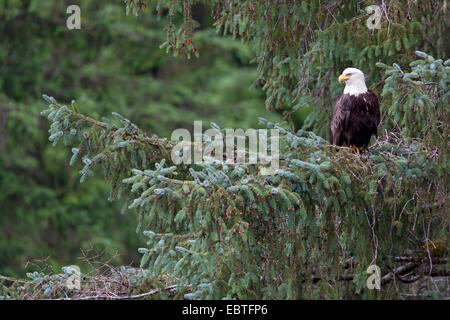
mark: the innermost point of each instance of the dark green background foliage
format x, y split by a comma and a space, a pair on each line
308, 231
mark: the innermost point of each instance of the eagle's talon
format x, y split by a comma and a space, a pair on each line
357, 149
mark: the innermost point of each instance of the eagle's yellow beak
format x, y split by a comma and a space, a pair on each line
343, 77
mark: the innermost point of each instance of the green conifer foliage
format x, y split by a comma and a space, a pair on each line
302, 46
313, 228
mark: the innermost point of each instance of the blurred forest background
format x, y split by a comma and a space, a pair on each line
114, 63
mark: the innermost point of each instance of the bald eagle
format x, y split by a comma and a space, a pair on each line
356, 113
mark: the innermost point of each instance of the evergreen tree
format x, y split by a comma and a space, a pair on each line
112, 64
313, 228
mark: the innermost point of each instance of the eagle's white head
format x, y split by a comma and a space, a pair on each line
354, 81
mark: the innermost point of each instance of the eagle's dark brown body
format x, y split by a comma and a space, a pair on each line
355, 119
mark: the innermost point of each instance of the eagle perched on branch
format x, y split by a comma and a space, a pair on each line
356, 113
